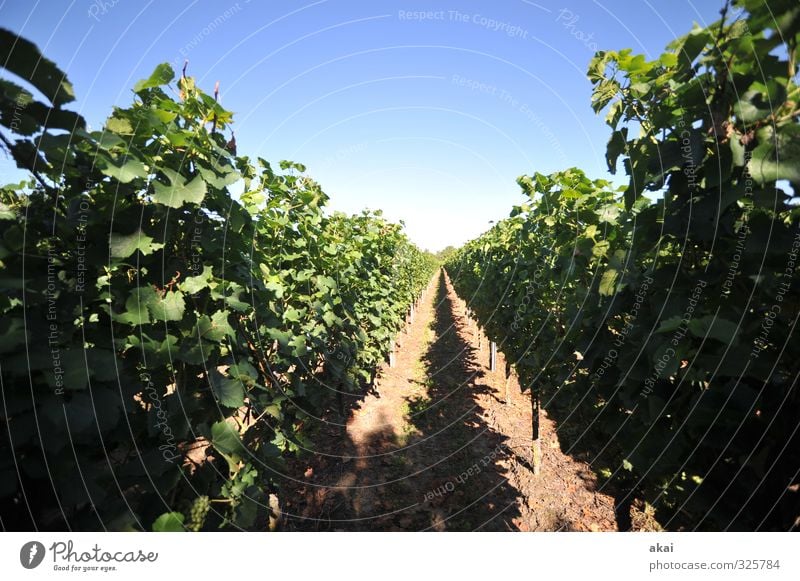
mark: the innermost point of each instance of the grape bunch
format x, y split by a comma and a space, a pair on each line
198, 512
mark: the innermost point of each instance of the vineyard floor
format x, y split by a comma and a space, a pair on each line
436, 446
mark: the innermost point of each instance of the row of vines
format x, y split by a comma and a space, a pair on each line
657, 321
173, 315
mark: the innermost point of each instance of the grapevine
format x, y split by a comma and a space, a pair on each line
185, 335
198, 512
654, 321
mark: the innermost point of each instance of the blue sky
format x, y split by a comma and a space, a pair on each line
426, 110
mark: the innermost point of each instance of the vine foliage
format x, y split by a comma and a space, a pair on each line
173, 313
656, 321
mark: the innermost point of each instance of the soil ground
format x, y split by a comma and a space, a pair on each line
441, 443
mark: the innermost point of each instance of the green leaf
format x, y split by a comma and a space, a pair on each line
609, 213
608, 283
229, 391
759, 101
616, 146
123, 245
282, 337
274, 284
136, 311
738, 152
614, 114
106, 140
600, 249
713, 327
668, 59
330, 319
219, 181
226, 439
195, 351
234, 301
15, 108
285, 164
23, 58
216, 327
690, 46
293, 315
145, 302
194, 284
169, 522
6, 213
746, 109
12, 333
162, 75
170, 307
777, 158
247, 512
157, 352
671, 324
298, 344
243, 370
178, 193
127, 172
119, 126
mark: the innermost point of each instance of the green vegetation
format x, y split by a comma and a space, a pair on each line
657, 327
175, 317
163, 340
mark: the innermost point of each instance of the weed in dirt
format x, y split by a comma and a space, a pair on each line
418, 405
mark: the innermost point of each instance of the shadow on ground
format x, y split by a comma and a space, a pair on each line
438, 465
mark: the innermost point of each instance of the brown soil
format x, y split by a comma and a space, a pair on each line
437, 446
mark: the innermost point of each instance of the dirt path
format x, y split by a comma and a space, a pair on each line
436, 446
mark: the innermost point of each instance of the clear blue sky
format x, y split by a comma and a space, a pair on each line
429, 118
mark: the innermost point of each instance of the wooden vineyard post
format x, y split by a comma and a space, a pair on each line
536, 444
508, 383
492, 356
471, 324
391, 356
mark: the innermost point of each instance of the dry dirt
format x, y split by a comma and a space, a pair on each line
438, 445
